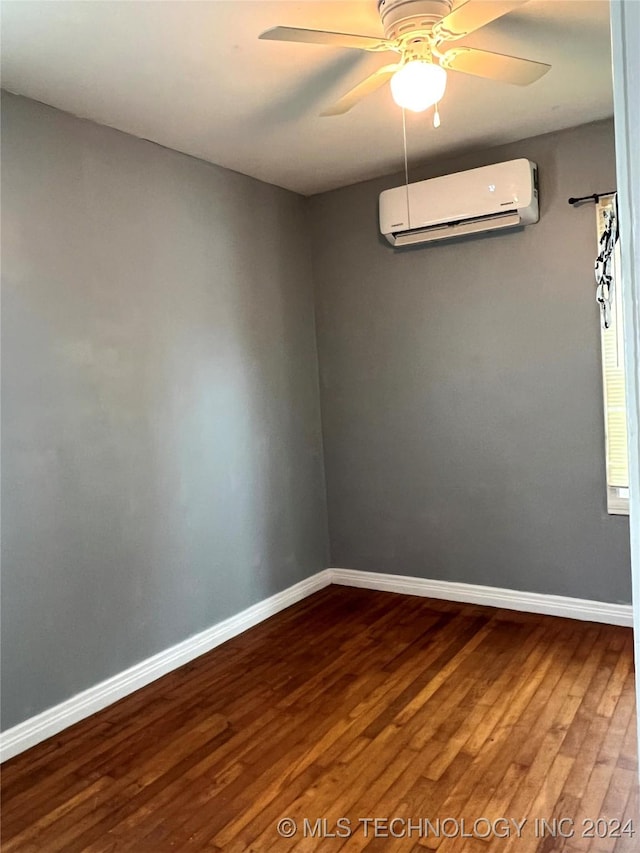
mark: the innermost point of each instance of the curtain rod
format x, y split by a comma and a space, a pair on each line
595, 197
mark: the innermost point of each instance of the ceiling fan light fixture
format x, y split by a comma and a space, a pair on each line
418, 85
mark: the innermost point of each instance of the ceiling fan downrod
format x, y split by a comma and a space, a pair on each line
410, 18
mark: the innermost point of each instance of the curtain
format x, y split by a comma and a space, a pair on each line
604, 262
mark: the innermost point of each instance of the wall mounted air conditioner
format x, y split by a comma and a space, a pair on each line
504, 195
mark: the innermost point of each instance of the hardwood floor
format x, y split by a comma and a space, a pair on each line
356, 705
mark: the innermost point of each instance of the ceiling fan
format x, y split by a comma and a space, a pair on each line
419, 30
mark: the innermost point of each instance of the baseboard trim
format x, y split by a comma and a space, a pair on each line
510, 599
82, 705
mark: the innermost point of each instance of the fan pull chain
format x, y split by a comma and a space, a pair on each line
436, 116
406, 160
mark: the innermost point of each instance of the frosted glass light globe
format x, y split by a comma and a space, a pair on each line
418, 85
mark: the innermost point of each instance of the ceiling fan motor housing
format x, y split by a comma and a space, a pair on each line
403, 19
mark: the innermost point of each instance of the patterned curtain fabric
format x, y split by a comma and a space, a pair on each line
604, 262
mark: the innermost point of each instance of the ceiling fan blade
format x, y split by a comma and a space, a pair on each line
495, 66
364, 88
296, 34
472, 15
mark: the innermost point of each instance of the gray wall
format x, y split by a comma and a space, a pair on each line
162, 462
461, 388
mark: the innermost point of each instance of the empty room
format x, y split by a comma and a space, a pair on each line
320, 455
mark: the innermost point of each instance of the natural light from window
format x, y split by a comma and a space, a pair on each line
613, 380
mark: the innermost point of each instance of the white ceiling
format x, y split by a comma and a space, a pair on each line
193, 76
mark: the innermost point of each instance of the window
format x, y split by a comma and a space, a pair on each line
615, 415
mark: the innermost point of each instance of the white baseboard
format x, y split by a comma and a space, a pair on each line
82, 705
492, 596
54, 720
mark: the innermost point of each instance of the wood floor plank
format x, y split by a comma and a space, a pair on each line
351, 704
338, 736
489, 770
285, 779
